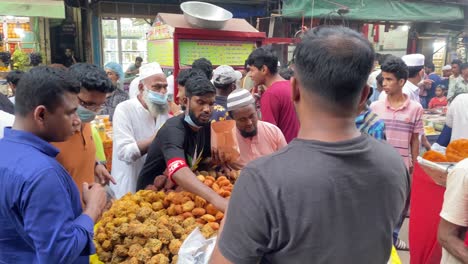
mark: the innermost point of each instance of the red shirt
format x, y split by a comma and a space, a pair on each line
277, 108
438, 102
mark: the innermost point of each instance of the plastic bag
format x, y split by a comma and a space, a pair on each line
196, 249
224, 140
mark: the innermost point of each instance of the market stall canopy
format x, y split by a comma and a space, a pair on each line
374, 10
33, 8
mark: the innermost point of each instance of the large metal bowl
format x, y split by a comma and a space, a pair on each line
205, 15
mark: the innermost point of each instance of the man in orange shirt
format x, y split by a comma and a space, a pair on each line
256, 138
78, 153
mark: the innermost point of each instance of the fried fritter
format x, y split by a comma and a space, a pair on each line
165, 235
134, 249
174, 246
154, 245
120, 251
144, 213
159, 259
144, 255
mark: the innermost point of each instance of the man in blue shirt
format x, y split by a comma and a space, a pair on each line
41, 218
368, 122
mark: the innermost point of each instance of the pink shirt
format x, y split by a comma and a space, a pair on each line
278, 109
269, 139
400, 124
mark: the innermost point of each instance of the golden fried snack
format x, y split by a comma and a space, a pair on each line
188, 206
188, 222
159, 259
144, 213
100, 237
201, 178
165, 235
120, 251
224, 183
215, 187
165, 251
106, 245
211, 209
144, 255
208, 218
175, 259
133, 260
178, 209
208, 182
213, 225
177, 230
134, 250
211, 177
207, 231
187, 215
197, 212
150, 231
105, 256
157, 206
141, 241
199, 202
154, 245
219, 216
174, 246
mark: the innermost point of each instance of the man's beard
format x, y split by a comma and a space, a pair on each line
196, 120
246, 134
155, 109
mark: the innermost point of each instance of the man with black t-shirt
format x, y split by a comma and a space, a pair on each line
182, 145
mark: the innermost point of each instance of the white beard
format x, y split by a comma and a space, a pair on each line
155, 109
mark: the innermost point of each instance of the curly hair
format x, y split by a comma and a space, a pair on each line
396, 66
198, 86
205, 66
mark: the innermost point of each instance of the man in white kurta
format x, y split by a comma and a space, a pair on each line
135, 125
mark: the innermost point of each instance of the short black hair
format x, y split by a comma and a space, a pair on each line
430, 65
198, 86
379, 79
457, 61
396, 66
414, 70
184, 75
43, 86
334, 63
463, 66
264, 56
286, 73
205, 66
13, 77
92, 77
382, 57
140, 59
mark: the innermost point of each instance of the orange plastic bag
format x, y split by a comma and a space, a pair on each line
224, 140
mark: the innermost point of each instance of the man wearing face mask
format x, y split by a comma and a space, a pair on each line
135, 125
182, 145
78, 154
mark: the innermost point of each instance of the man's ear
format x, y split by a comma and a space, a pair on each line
364, 95
296, 93
141, 87
402, 82
40, 114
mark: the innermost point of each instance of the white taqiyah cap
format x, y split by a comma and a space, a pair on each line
447, 67
413, 60
149, 69
239, 98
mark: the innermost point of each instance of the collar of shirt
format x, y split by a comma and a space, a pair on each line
411, 86
23, 137
405, 104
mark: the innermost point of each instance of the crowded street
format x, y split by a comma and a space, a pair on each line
236, 131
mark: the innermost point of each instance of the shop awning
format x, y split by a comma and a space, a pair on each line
33, 8
374, 10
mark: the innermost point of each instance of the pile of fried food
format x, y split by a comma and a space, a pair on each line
456, 151
150, 227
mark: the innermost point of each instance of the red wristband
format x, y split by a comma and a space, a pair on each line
173, 165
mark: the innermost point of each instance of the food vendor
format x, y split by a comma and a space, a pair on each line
256, 138
182, 145
78, 153
136, 122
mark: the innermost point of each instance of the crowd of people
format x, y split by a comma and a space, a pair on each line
327, 148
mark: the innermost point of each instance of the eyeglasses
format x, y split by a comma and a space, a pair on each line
90, 106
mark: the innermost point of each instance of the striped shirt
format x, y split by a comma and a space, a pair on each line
400, 124
369, 123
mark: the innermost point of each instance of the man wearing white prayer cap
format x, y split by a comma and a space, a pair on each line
415, 63
135, 125
447, 71
256, 138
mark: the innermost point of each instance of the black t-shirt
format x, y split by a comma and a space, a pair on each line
6, 105
175, 139
317, 202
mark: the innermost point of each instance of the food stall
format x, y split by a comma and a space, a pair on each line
175, 44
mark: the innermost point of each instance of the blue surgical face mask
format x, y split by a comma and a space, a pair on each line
157, 98
85, 115
189, 120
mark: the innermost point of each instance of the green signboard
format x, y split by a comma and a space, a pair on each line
218, 52
162, 52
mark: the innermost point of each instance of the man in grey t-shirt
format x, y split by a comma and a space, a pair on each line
332, 195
